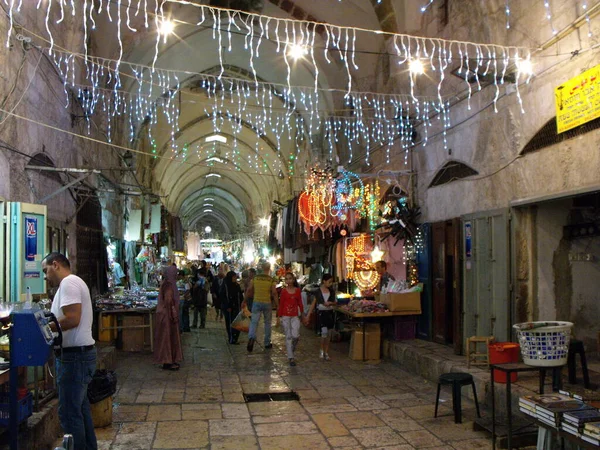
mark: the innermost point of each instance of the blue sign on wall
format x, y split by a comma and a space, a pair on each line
468, 237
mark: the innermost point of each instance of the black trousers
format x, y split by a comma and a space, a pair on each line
232, 334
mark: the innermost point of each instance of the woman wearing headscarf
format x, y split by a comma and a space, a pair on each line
231, 305
167, 340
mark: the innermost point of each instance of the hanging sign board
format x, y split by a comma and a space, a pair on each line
578, 100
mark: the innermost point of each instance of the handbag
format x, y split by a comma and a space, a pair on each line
241, 322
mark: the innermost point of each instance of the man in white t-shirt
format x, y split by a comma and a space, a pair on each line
76, 361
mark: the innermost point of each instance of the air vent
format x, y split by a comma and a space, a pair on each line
548, 136
452, 171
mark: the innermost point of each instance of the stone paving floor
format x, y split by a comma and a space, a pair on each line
343, 404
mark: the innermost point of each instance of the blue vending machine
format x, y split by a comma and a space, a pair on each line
26, 242
31, 341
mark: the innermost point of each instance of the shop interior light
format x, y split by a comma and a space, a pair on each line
209, 199
416, 67
248, 256
208, 210
297, 51
207, 229
264, 222
216, 138
215, 158
265, 252
208, 175
272, 260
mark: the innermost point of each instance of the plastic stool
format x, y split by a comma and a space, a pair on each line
457, 381
576, 348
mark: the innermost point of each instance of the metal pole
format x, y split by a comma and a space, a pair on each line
65, 187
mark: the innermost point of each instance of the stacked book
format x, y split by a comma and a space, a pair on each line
549, 408
564, 412
584, 424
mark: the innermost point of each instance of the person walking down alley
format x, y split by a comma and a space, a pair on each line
76, 360
200, 290
231, 305
262, 290
324, 299
167, 339
290, 306
218, 291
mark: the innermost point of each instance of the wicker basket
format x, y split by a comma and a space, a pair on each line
544, 344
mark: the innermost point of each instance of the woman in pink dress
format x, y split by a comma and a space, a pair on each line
167, 341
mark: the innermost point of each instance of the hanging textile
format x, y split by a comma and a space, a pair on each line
134, 225
154, 226
193, 246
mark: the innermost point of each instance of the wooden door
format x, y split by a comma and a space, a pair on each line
439, 266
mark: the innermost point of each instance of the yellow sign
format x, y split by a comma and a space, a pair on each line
578, 100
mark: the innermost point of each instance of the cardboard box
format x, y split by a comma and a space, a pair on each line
410, 301
373, 343
108, 321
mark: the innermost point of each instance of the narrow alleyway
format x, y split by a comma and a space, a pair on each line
343, 404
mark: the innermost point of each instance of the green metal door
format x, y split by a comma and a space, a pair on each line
486, 244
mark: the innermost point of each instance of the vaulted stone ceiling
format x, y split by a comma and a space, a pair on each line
216, 182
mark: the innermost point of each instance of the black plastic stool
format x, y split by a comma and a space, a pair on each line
457, 381
576, 348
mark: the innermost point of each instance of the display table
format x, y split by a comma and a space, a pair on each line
510, 368
149, 312
371, 317
564, 436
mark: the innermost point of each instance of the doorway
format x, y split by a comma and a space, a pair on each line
446, 274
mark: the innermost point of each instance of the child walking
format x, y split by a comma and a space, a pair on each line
290, 303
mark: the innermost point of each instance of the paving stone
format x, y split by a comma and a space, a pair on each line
472, 444
321, 409
136, 435
368, 402
280, 418
329, 425
377, 437
286, 428
291, 442
343, 441
346, 404
201, 414
421, 439
130, 413
360, 420
231, 427
164, 413
182, 434
234, 443
235, 411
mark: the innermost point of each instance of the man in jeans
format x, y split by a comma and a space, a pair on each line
76, 360
262, 290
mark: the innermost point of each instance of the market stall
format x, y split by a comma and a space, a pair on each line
131, 312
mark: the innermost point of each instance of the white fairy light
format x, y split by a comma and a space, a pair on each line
548, 7
297, 51
584, 6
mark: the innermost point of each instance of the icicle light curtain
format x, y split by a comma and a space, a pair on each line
286, 111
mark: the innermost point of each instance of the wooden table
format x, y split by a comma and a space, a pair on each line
149, 311
363, 317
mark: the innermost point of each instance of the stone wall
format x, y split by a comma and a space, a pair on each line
31, 87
